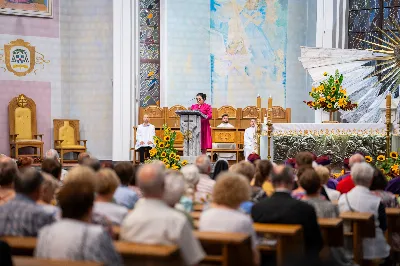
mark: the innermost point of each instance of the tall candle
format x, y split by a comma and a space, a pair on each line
270, 102
258, 101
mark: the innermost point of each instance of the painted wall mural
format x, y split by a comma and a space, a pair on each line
248, 40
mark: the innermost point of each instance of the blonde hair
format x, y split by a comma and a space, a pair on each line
80, 173
244, 168
107, 181
231, 189
323, 173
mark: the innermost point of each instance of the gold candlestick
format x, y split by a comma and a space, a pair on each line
388, 122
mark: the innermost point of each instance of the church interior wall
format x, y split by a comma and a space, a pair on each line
77, 81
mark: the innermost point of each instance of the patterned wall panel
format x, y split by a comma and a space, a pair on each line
149, 50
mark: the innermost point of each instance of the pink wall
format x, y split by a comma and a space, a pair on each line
40, 92
32, 26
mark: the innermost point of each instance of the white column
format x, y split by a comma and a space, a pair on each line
163, 53
123, 83
332, 17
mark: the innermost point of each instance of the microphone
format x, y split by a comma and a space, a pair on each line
192, 99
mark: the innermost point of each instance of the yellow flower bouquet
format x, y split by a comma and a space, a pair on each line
390, 166
164, 150
330, 96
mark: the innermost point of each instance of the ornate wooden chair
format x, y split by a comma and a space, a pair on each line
219, 112
66, 137
23, 126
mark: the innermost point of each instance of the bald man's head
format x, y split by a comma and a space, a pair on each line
282, 177
204, 164
356, 158
150, 179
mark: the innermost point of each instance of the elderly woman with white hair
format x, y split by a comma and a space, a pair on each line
191, 176
174, 191
360, 199
53, 154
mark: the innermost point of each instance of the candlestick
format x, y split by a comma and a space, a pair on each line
258, 101
270, 102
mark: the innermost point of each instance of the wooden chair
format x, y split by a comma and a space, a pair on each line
363, 226
226, 109
279, 114
172, 119
226, 249
156, 114
246, 114
67, 138
23, 126
29, 261
225, 135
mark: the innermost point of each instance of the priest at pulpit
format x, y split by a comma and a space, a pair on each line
144, 138
206, 142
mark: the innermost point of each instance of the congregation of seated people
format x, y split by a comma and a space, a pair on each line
73, 214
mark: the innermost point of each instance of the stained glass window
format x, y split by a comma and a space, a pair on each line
366, 16
149, 51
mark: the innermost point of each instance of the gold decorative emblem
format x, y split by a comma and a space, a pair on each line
21, 100
20, 58
188, 135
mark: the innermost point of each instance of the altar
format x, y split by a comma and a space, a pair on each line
338, 140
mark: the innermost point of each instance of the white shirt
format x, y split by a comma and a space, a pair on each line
204, 188
226, 220
226, 125
114, 212
362, 200
249, 141
145, 133
153, 222
75, 240
332, 194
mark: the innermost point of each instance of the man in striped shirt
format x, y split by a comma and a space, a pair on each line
205, 186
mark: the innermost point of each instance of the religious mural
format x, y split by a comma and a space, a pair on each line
37, 8
248, 41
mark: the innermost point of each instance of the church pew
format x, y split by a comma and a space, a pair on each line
289, 239
132, 253
226, 249
332, 231
363, 226
29, 261
393, 224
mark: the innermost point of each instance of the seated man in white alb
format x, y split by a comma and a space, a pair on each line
249, 140
144, 138
226, 146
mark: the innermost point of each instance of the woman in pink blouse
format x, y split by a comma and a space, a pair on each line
206, 109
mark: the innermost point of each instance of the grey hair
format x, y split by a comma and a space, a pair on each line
356, 158
174, 187
191, 175
285, 176
203, 163
51, 154
150, 179
28, 181
362, 174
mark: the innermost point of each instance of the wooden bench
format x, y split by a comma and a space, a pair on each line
332, 231
289, 239
363, 226
393, 224
137, 254
29, 261
226, 249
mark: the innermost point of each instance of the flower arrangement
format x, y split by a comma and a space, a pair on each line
164, 150
390, 166
330, 96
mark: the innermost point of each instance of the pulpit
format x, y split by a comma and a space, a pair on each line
190, 125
